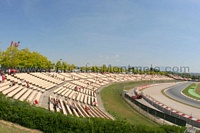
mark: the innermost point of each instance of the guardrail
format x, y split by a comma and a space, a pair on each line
189, 119
157, 113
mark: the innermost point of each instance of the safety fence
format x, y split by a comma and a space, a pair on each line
172, 112
157, 113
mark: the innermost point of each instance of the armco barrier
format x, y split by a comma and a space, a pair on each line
171, 112
157, 113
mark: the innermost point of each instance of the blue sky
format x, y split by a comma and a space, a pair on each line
117, 32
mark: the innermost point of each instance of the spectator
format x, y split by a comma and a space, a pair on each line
75, 88
56, 102
73, 105
59, 105
35, 102
27, 84
86, 109
52, 100
94, 103
1, 78
12, 83
9, 71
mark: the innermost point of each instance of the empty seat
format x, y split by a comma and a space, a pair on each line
4, 88
6, 91
32, 95
26, 95
11, 94
63, 107
18, 95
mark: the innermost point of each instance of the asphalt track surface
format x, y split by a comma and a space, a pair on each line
155, 93
175, 93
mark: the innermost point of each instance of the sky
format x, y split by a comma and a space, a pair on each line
95, 32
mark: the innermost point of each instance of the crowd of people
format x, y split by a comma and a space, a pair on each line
77, 88
2, 77
56, 103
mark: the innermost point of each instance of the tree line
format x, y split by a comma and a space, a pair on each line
21, 59
24, 58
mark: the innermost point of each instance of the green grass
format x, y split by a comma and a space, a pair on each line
185, 91
163, 92
8, 127
115, 105
198, 89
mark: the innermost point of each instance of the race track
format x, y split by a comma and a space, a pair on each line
175, 93
155, 93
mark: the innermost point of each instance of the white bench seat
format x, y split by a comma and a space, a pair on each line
61, 90
18, 95
79, 111
82, 110
93, 113
68, 108
67, 94
4, 84
11, 94
82, 97
78, 96
89, 101
50, 105
55, 91
38, 96
6, 91
99, 114
63, 107
75, 95
4, 88
26, 95
32, 95
71, 94
64, 92
75, 113
57, 109
85, 99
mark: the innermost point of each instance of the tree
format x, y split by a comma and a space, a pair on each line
88, 69
64, 66
71, 67
103, 68
95, 69
9, 58
83, 69
121, 70
15, 58
115, 69
58, 66
110, 69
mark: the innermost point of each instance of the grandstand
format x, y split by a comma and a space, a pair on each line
68, 93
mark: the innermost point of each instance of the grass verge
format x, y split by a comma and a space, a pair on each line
198, 89
115, 105
163, 92
185, 91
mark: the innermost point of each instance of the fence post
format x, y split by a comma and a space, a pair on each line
124, 92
